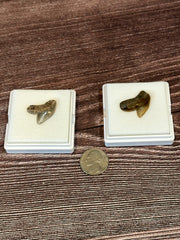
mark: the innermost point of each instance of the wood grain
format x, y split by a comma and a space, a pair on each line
82, 45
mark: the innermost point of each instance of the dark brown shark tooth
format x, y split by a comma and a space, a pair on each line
140, 103
43, 111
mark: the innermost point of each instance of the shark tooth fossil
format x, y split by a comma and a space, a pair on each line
140, 103
43, 111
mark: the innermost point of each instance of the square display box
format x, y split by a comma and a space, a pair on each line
55, 135
122, 128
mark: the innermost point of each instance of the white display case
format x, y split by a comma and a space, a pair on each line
55, 135
123, 128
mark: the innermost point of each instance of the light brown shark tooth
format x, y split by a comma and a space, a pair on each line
43, 111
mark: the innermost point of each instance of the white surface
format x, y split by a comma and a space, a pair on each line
23, 134
126, 128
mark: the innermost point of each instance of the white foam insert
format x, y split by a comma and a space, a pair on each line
56, 135
123, 128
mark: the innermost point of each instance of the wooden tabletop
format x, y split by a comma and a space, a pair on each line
82, 45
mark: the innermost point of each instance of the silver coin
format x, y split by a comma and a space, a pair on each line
94, 161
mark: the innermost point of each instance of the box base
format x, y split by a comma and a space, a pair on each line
140, 143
